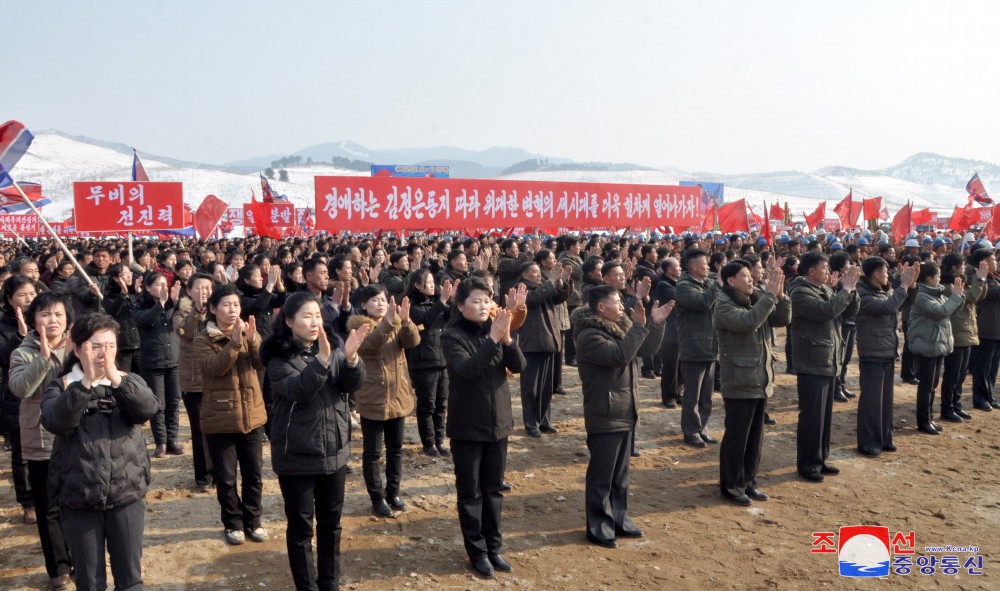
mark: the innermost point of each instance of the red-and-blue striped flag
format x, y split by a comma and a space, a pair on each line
269, 194
977, 192
12, 202
138, 170
14, 142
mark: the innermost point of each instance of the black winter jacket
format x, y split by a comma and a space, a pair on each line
160, 342
479, 407
310, 424
260, 304
10, 405
99, 459
878, 320
120, 306
431, 316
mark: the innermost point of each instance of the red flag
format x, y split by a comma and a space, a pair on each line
992, 228
872, 208
977, 192
964, 218
902, 222
921, 216
754, 219
733, 217
709, 222
777, 212
208, 215
765, 231
845, 211
262, 221
814, 219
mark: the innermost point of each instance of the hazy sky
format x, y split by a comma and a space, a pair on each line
729, 87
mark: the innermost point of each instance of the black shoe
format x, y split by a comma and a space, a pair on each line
995, 404
658, 373
869, 453
534, 433
603, 543
635, 453
348, 469
965, 416
500, 564
482, 567
889, 447
741, 500
548, 429
694, 441
839, 397
559, 392
444, 451
768, 420
829, 469
430, 450
381, 508
570, 362
911, 381
505, 487
670, 404
848, 393
629, 532
951, 417
396, 503
929, 429
983, 407
812, 476
937, 427
648, 375
756, 494
709, 439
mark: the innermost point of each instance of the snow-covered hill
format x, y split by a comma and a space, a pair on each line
56, 160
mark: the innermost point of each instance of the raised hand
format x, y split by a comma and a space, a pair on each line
354, 340
775, 284
567, 274
958, 287
391, 311
338, 291
642, 288
363, 278
659, 313
908, 276
627, 267
639, 314
251, 329
983, 270
272, 279
850, 280
345, 295
404, 311
376, 272
324, 344
237, 334
22, 326
111, 370
521, 297
137, 284
43, 339
447, 288
175, 291
122, 283
833, 279
500, 326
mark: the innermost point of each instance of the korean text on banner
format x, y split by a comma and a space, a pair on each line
281, 215
25, 225
385, 203
128, 207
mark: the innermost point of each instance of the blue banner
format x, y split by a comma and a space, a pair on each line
411, 171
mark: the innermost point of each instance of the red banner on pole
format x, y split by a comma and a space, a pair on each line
23, 224
386, 203
128, 207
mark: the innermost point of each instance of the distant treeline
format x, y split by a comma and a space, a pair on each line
543, 164
282, 163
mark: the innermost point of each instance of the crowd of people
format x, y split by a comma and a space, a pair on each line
307, 343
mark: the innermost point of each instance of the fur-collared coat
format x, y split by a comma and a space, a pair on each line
386, 393
607, 359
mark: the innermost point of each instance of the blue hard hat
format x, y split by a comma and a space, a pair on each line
862, 241
836, 246
784, 240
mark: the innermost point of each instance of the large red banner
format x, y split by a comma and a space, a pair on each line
22, 224
385, 203
282, 214
128, 206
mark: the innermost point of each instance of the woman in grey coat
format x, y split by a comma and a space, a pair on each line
930, 338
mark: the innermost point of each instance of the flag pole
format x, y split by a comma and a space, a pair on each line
59, 241
131, 257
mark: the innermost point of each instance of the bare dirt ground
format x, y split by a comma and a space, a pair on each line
942, 488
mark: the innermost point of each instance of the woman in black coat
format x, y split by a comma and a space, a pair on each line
430, 311
479, 351
259, 297
119, 302
18, 293
99, 470
159, 358
310, 438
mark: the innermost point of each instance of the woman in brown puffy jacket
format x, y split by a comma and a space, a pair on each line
232, 412
386, 398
